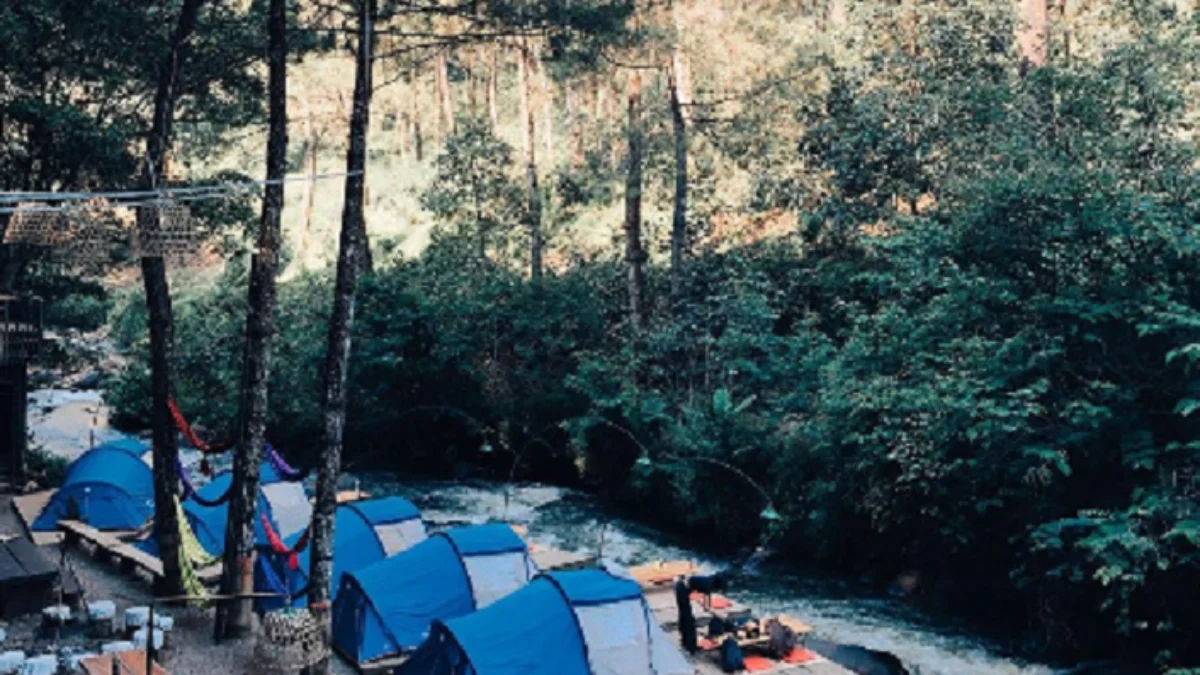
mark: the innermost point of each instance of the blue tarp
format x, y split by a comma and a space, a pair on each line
531, 632
386, 608
355, 546
208, 522
109, 487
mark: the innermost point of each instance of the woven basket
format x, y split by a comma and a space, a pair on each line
290, 640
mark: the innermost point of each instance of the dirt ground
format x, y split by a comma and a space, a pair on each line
190, 649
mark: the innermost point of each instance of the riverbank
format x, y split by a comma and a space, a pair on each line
576, 522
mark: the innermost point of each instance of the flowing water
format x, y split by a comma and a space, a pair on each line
838, 610
66, 423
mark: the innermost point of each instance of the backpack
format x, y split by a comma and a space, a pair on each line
782, 640
716, 627
731, 656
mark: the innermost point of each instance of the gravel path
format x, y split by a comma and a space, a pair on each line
191, 650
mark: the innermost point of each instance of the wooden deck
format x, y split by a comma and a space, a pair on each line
132, 662
28, 508
129, 558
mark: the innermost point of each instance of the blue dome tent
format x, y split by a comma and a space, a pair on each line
386, 608
109, 487
570, 623
364, 532
284, 503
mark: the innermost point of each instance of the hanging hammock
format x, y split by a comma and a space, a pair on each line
192, 549
191, 555
198, 443
190, 492
279, 548
285, 470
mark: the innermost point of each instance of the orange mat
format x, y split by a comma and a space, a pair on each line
756, 664
718, 601
707, 645
799, 656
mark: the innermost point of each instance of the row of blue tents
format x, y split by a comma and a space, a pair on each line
467, 601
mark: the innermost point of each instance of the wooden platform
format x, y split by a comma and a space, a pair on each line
129, 557
660, 576
132, 662
28, 508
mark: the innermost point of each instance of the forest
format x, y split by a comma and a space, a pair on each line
886, 285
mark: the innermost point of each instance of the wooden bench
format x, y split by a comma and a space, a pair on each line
128, 557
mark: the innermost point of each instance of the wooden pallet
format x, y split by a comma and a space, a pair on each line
129, 558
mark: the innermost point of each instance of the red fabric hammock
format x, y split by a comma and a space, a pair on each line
279, 548
205, 448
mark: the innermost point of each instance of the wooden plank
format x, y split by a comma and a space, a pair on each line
132, 662
661, 575
28, 508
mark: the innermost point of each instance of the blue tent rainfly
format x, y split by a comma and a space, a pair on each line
570, 623
109, 487
364, 532
386, 608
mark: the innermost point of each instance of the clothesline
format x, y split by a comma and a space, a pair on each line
170, 194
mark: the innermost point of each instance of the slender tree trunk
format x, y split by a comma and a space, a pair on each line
575, 121
235, 619
493, 78
679, 220
548, 115
158, 307
1033, 32
445, 96
308, 200
414, 115
528, 137
473, 79
337, 357
635, 256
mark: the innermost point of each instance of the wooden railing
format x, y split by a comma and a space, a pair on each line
20, 328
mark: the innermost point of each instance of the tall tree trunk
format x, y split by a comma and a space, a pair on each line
533, 209
235, 619
493, 78
635, 256
445, 96
575, 124
337, 357
678, 94
1033, 32
158, 307
548, 115
312, 146
414, 115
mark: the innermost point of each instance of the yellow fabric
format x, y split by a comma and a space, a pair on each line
191, 553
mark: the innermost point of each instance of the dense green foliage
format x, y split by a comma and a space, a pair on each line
973, 353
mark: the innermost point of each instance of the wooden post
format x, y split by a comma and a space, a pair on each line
150, 640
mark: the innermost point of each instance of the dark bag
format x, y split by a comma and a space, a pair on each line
782, 640
731, 656
717, 627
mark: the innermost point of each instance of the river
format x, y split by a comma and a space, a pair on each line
65, 423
